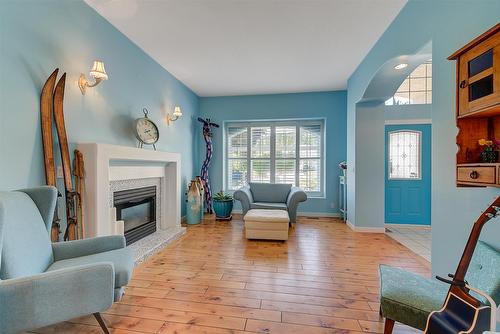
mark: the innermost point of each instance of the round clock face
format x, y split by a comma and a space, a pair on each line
146, 131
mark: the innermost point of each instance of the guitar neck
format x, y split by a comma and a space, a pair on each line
466, 258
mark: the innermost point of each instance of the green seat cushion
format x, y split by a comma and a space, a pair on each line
409, 298
122, 260
484, 271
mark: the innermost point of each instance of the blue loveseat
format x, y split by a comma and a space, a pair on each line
271, 196
43, 283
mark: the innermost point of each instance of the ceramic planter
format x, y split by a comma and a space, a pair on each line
223, 208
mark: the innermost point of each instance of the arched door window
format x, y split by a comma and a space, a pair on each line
404, 158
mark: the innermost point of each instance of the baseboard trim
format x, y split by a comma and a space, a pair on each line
319, 214
307, 214
363, 229
408, 225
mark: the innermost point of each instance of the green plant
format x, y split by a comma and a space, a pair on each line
221, 196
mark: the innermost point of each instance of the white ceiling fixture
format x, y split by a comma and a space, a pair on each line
243, 47
400, 66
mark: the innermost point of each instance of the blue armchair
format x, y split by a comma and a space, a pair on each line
43, 283
271, 196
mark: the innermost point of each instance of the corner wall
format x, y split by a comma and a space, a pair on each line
370, 167
38, 36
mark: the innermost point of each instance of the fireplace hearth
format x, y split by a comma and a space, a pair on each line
137, 209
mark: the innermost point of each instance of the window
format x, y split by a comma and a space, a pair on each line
404, 154
275, 152
416, 88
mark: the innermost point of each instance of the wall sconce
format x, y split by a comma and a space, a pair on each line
175, 116
98, 72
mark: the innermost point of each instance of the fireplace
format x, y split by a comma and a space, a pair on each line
137, 209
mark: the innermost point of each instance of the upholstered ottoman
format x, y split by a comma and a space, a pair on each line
266, 224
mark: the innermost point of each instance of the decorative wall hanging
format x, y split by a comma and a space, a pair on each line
146, 130
79, 173
207, 135
46, 116
51, 106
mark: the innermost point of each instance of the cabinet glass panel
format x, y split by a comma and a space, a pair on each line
481, 88
481, 63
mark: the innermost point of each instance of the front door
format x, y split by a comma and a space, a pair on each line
408, 174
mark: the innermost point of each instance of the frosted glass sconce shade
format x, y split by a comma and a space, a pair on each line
98, 72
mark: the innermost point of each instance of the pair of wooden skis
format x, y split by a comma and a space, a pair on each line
51, 108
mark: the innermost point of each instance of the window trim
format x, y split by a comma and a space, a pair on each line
419, 156
273, 124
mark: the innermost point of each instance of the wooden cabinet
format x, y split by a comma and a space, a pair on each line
478, 107
479, 79
478, 70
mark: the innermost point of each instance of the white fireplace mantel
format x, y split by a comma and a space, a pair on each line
105, 163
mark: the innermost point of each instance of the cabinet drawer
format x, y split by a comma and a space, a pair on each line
478, 174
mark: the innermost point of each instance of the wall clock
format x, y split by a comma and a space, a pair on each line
146, 130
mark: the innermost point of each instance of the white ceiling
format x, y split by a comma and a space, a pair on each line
241, 47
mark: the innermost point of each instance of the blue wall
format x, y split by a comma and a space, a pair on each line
442, 22
36, 37
369, 169
328, 105
406, 112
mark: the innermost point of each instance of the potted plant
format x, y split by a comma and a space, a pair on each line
489, 153
223, 205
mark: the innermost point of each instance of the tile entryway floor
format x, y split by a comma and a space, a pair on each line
416, 238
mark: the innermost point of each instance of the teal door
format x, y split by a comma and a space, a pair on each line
408, 174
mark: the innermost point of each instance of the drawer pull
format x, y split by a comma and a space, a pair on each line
474, 175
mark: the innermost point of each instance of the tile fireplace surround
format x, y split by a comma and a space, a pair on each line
109, 167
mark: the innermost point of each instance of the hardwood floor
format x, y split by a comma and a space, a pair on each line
324, 279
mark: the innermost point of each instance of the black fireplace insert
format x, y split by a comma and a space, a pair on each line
137, 208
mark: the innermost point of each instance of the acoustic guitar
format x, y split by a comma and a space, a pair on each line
462, 312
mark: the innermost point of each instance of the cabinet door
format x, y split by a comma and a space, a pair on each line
479, 73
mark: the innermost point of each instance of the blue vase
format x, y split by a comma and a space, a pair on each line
223, 209
193, 206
